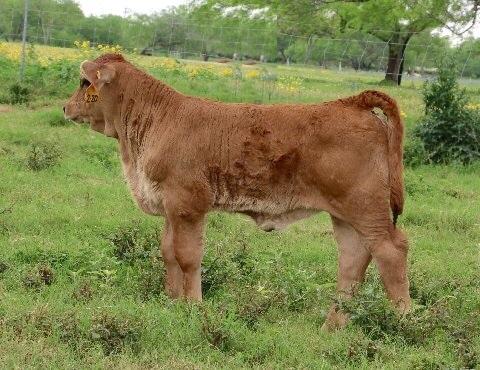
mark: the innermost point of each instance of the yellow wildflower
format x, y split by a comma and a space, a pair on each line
225, 72
255, 73
290, 84
473, 106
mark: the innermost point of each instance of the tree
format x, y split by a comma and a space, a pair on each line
396, 21
468, 58
236, 31
393, 21
11, 19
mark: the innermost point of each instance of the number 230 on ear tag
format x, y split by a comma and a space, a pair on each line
91, 95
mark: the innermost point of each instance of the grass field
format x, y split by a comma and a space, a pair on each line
81, 278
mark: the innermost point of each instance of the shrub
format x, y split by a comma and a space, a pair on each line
414, 153
450, 132
19, 94
376, 317
42, 155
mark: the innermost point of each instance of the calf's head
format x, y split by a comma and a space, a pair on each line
78, 109
86, 104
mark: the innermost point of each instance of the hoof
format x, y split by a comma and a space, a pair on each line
336, 320
403, 306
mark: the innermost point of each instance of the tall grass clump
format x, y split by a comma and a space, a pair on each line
450, 129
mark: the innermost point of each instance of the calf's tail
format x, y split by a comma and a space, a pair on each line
370, 99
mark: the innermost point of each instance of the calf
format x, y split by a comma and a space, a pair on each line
184, 156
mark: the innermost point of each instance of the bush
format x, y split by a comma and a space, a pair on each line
414, 153
450, 131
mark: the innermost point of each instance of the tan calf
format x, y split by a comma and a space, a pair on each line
185, 156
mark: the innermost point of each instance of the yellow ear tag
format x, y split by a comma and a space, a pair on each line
91, 95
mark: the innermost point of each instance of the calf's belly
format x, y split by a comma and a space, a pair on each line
269, 222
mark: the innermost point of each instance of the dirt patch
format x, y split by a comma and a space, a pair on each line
5, 108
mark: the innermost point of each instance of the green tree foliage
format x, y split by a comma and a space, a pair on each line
396, 21
392, 21
352, 34
46, 22
468, 58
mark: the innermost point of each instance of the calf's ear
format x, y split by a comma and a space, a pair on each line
96, 74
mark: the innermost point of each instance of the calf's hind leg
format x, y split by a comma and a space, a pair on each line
390, 255
353, 260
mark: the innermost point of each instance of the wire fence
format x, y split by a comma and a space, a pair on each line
181, 37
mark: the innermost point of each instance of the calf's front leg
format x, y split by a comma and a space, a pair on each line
187, 241
174, 278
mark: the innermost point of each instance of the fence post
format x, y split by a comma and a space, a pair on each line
24, 40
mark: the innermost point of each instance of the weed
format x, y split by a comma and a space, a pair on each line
19, 94
414, 153
255, 303
114, 333
69, 330
32, 281
416, 185
468, 354
3, 267
41, 319
36, 278
215, 328
217, 271
359, 349
130, 243
151, 278
42, 156
375, 315
5, 228
83, 292
46, 274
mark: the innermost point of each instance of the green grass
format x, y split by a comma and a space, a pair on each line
81, 276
